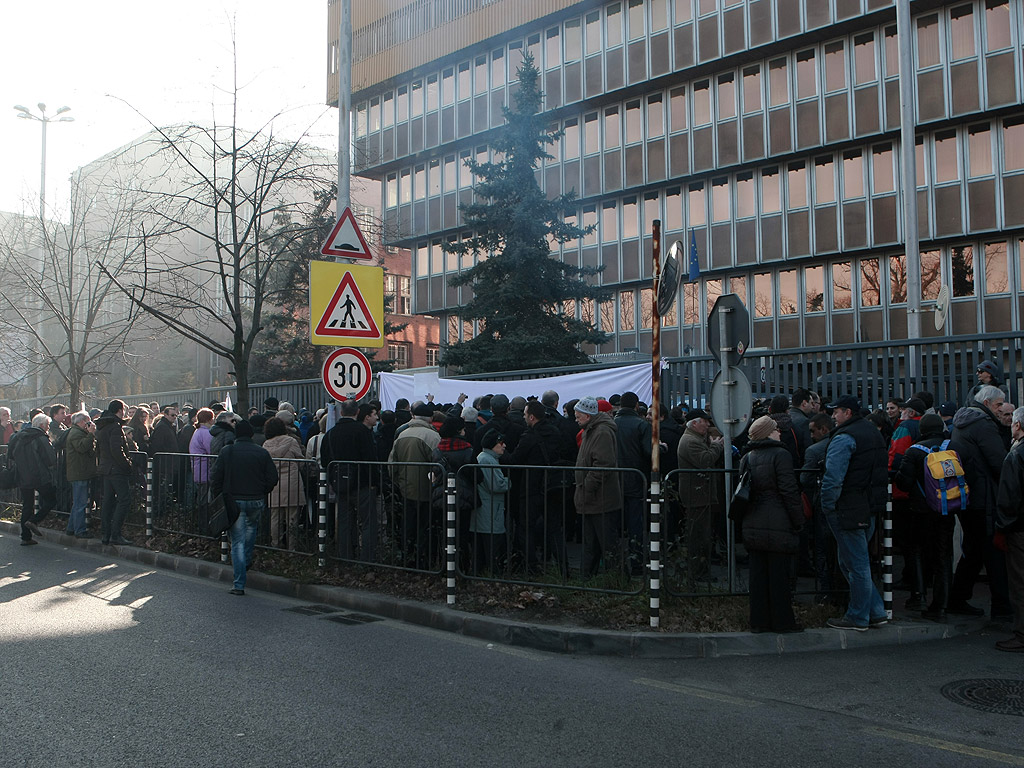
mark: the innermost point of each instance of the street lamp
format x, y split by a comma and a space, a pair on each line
43, 119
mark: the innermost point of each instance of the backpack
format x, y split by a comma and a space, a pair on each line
9, 473
945, 487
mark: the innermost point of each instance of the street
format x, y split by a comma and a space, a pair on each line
109, 664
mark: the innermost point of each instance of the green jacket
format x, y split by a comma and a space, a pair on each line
598, 490
696, 452
80, 453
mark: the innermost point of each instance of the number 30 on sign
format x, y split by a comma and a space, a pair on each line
347, 374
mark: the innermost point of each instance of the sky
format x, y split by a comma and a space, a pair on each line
120, 65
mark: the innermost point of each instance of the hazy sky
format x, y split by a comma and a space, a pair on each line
170, 61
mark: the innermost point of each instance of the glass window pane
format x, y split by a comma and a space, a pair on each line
434, 178
462, 85
962, 270
609, 223
698, 215
897, 279
865, 70
702, 103
764, 302
870, 289
629, 218
979, 145
433, 93
682, 10
613, 25
627, 311
634, 126
691, 292
945, 157
591, 134
607, 310
726, 97
835, 66
655, 116
806, 75
1013, 145
997, 279
997, 24
720, 204
752, 90
853, 175
787, 292
405, 186
590, 225
714, 290
416, 96
928, 43
374, 115
592, 35
652, 211
573, 40
931, 274
659, 15
387, 115
673, 209
422, 260
646, 308
677, 109
771, 190
392, 190
842, 292
814, 289
824, 181
571, 139
552, 48
636, 19
738, 285
778, 82
448, 86
881, 169
498, 67
961, 31
612, 128
745, 202
797, 186
892, 52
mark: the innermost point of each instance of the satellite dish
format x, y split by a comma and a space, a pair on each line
668, 285
941, 308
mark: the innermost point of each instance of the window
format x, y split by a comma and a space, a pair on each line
720, 203
961, 31
392, 190
979, 147
745, 204
399, 353
997, 25
806, 75
702, 103
652, 211
627, 311
864, 70
771, 194
897, 279
945, 157
931, 274
853, 175
629, 218
647, 308
835, 66
634, 125
673, 209
573, 40
592, 32
607, 310
881, 169
659, 15
797, 184
752, 101
677, 109
870, 288
419, 187
636, 19
591, 134
433, 93
609, 223
552, 48
405, 186
997, 279
655, 116
398, 288
892, 52
374, 115
434, 178
450, 174
928, 44
824, 181
764, 297
388, 111
1013, 144
448, 87
962, 270
842, 292
433, 356
698, 215
787, 292
738, 285
683, 11
778, 82
814, 289
726, 96
464, 90
690, 298
613, 25
416, 99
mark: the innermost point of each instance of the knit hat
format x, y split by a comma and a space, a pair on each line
604, 406
452, 426
243, 429
424, 409
491, 439
588, 406
762, 428
499, 404
271, 403
931, 425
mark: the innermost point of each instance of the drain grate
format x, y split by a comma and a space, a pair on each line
1000, 697
312, 610
354, 618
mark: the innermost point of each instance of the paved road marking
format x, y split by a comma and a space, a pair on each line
438, 634
698, 692
948, 746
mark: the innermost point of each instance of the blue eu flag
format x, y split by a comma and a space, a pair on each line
693, 266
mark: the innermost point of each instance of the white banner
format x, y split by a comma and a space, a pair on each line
603, 383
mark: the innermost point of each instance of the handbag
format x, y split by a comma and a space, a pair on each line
223, 514
9, 475
740, 497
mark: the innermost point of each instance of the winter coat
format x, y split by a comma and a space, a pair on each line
977, 439
489, 517
415, 443
246, 471
802, 426
163, 438
289, 491
34, 457
199, 447
221, 434
80, 453
349, 440
773, 521
906, 434
810, 474
510, 430
112, 446
598, 492
790, 437
1010, 497
540, 446
671, 432
696, 452
633, 445
184, 437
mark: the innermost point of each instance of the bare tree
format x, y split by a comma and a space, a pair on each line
241, 203
62, 316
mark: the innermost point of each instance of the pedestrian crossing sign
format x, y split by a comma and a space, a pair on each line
346, 304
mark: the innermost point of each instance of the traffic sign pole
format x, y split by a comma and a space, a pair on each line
730, 384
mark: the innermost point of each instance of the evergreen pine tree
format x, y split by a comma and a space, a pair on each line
518, 285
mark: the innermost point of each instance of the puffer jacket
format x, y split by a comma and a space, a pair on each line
634, 447
976, 437
415, 443
80, 451
34, 457
597, 491
112, 446
776, 513
289, 491
696, 452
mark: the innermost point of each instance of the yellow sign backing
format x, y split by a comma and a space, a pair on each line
346, 304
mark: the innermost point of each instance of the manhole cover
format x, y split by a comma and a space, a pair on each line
312, 610
1000, 697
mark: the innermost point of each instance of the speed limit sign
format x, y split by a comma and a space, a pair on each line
347, 374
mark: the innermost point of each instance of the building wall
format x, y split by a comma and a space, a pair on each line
767, 128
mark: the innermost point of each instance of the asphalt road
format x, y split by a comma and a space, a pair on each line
109, 664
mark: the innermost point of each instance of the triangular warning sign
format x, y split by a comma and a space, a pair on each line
346, 240
347, 315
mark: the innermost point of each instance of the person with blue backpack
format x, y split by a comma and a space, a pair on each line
934, 504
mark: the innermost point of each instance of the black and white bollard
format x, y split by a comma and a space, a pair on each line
149, 498
450, 548
887, 555
321, 523
655, 553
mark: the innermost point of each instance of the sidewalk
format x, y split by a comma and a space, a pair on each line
642, 645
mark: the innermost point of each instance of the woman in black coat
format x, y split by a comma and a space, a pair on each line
771, 527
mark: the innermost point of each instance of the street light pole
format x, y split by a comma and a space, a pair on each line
43, 119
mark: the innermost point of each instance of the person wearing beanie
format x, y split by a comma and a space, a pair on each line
932, 534
770, 527
598, 495
453, 452
115, 466
698, 489
905, 533
989, 373
243, 475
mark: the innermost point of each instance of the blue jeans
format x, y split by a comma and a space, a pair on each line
79, 501
854, 562
243, 536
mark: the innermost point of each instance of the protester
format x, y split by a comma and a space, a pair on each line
487, 524
288, 497
116, 467
80, 451
598, 492
1009, 536
36, 462
698, 489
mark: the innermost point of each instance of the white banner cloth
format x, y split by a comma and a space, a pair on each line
603, 383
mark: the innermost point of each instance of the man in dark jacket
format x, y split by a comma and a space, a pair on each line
633, 443
853, 492
934, 531
989, 375
1010, 528
698, 489
36, 461
598, 494
222, 433
350, 440
501, 423
819, 427
245, 473
80, 452
976, 437
168, 469
115, 466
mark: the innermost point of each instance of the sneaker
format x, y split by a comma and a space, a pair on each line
236, 591
121, 541
1013, 645
965, 609
28, 542
34, 528
878, 621
845, 623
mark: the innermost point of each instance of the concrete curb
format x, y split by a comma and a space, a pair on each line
558, 639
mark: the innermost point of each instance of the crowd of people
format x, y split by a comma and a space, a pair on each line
530, 477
